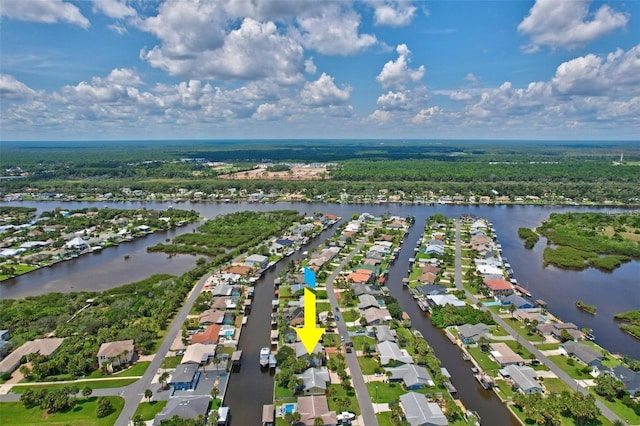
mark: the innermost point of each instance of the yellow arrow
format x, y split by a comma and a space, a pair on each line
309, 334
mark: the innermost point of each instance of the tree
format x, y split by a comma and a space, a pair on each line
318, 421
138, 420
148, 393
292, 418
163, 379
512, 309
215, 391
104, 407
87, 391
609, 387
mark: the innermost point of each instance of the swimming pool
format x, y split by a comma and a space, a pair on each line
288, 408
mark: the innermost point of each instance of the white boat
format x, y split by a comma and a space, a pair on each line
264, 356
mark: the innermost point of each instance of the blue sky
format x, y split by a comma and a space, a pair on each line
174, 69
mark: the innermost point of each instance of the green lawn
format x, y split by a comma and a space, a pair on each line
330, 340
171, 362
548, 346
522, 351
506, 392
83, 414
284, 291
135, 371
483, 360
575, 371
351, 315
323, 307
93, 384
148, 410
555, 385
520, 328
384, 418
498, 331
358, 341
620, 409
337, 392
281, 393
368, 364
386, 392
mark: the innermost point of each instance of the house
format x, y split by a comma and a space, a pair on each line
38, 346
367, 301
413, 376
428, 277
317, 355
504, 355
435, 249
445, 299
420, 412
376, 316
382, 333
77, 244
630, 378
389, 351
198, 353
116, 353
209, 336
184, 408
316, 406
256, 261
525, 378
470, 334
499, 287
514, 300
431, 289
211, 316
268, 415
584, 353
360, 289
314, 380
185, 377
359, 277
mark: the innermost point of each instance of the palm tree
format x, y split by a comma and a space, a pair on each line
512, 309
148, 393
215, 392
163, 379
216, 362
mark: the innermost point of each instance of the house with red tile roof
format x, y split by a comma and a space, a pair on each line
499, 287
208, 337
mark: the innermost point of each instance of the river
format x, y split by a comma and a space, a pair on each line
610, 292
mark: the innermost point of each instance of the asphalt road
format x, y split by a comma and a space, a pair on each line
134, 393
357, 380
610, 415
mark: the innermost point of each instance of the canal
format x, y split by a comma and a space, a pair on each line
250, 386
610, 292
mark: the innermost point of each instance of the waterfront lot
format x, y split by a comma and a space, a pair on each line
83, 414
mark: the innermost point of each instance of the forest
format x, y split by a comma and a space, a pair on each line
599, 240
512, 168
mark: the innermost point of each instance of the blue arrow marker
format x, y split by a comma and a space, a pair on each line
309, 277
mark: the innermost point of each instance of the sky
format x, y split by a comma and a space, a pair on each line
318, 69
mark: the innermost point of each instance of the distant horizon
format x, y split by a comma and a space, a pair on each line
543, 70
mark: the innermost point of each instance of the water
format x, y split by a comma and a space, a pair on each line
251, 387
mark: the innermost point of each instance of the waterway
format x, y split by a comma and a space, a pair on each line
611, 292
250, 386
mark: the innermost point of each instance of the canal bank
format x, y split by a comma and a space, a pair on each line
251, 386
611, 292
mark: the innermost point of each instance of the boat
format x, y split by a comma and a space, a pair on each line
423, 305
272, 361
265, 352
522, 290
450, 387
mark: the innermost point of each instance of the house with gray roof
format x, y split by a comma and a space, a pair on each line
367, 301
382, 333
301, 352
525, 378
431, 289
518, 301
630, 378
389, 351
420, 412
413, 376
470, 334
584, 353
185, 377
360, 289
185, 408
314, 380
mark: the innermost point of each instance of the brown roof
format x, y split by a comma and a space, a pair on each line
430, 268
428, 277
311, 407
219, 302
211, 316
210, 335
498, 284
111, 349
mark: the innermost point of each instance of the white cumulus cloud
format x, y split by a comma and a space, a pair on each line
568, 24
114, 8
310, 66
333, 30
10, 88
394, 13
44, 11
397, 73
268, 111
324, 92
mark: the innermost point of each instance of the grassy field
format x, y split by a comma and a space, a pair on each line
385, 392
620, 409
171, 362
338, 392
384, 418
555, 385
148, 410
368, 364
83, 414
93, 384
135, 371
484, 361
575, 371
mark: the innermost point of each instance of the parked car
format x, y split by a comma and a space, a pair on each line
337, 317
